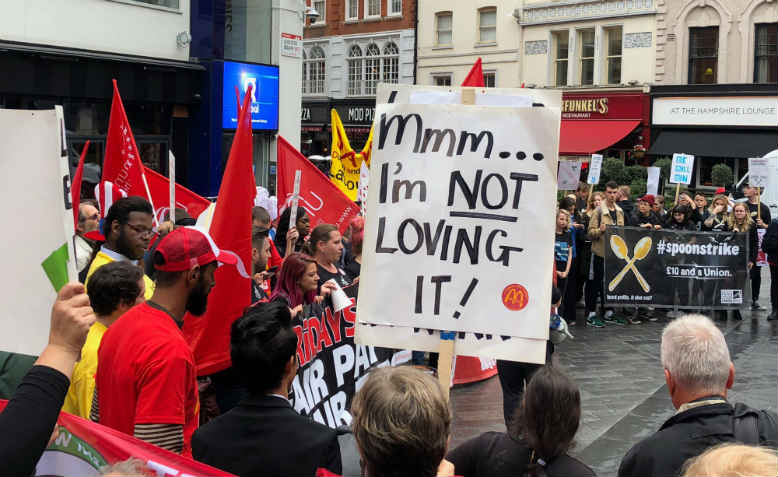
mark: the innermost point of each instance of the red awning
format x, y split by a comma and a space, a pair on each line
590, 136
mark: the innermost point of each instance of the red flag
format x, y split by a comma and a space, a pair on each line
159, 186
122, 165
75, 186
209, 335
320, 198
476, 76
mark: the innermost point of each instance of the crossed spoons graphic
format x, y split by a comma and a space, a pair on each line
621, 250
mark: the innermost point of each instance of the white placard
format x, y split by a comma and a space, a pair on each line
721, 111
652, 182
295, 198
758, 172
569, 175
681, 169
447, 241
42, 180
595, 168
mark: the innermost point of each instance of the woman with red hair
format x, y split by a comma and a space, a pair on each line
298, 282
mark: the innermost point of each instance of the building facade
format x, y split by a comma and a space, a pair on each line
350, 47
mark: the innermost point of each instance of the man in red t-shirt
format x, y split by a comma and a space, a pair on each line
146, 383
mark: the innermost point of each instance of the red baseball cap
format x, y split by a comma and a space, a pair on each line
721, 190
186, 247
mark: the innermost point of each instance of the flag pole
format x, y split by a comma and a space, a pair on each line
171, 172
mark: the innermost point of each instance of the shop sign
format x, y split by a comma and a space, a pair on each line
315, 112
291, 45
356, 113
716, 111
600, 106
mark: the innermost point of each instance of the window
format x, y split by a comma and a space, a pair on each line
442, 80
490, 79
703, 54
765, 53
352, 9
391, 62
355, 71
314, 71
487, 25
443, 29
587, 56
318, 5
394, 7
614, 55
372, 68
561, 40
372, 8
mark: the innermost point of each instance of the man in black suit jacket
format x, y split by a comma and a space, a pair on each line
263, 435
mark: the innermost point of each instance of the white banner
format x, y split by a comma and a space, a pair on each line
681, 169
595, 167
460, 221
652, 183
758, 172
569, 175
40, 255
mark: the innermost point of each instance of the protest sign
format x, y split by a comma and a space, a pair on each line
495, 97
761, 257
681, 169
332, 365
81, 447
652, 183
569, 175
595, 168
40, 255
758, 171
345, 162
449, 273
667, 268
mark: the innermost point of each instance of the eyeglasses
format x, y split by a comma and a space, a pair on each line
141, 231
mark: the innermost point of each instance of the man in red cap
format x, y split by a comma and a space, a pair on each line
146, 383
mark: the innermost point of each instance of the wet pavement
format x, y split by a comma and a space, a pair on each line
623, 392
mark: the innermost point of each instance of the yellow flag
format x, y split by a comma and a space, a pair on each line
368, 147
344, 169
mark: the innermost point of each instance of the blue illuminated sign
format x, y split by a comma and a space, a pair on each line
264, 100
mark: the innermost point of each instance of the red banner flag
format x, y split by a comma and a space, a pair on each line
82, 447
159, 186
122, 165
321, 199
476, 76
209, 335
75, 185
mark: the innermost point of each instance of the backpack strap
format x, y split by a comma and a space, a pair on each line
745, 424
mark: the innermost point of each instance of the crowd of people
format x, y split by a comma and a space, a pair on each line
117, 355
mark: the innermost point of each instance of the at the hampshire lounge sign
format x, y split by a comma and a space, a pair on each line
717, 111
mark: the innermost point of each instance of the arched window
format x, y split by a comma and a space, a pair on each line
391, 63
315, 67
372, 68
355, 71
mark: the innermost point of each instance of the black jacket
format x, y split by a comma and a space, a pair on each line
770, 242
639, 219
265, 436
689, 434
628, 207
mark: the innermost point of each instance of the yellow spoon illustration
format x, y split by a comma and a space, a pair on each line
619, 247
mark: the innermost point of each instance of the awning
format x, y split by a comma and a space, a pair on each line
715, 143
589, 136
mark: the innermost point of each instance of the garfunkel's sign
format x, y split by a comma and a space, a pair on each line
584, 106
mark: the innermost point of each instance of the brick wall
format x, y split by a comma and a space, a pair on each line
335, 23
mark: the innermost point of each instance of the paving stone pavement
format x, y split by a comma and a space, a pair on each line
623, 393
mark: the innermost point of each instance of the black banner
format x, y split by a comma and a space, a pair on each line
331, 364
669, 268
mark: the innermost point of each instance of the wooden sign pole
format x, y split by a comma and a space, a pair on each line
677, 191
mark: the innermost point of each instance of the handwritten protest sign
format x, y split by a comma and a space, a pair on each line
758, 171
595, 167
458, 253
569, 175
681, 169
40, 260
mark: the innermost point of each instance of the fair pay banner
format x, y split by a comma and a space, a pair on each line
460, 224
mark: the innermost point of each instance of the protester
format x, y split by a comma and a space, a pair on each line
88, 221
30, 416
354, 265
717, 215
686, 199
625, 203
291, 239
260, 218
609, 213
659, 206
577, 232
581, 195
698, 372
181, 218
760, 214
701, 205
298, 282
770, 247
263, 435
127, 228
733, 460
741, 222
146, 383
563, 257
680, 218
260, 254
586, 266
325, 246
537, 443
644, 216
401, 423
115, 288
